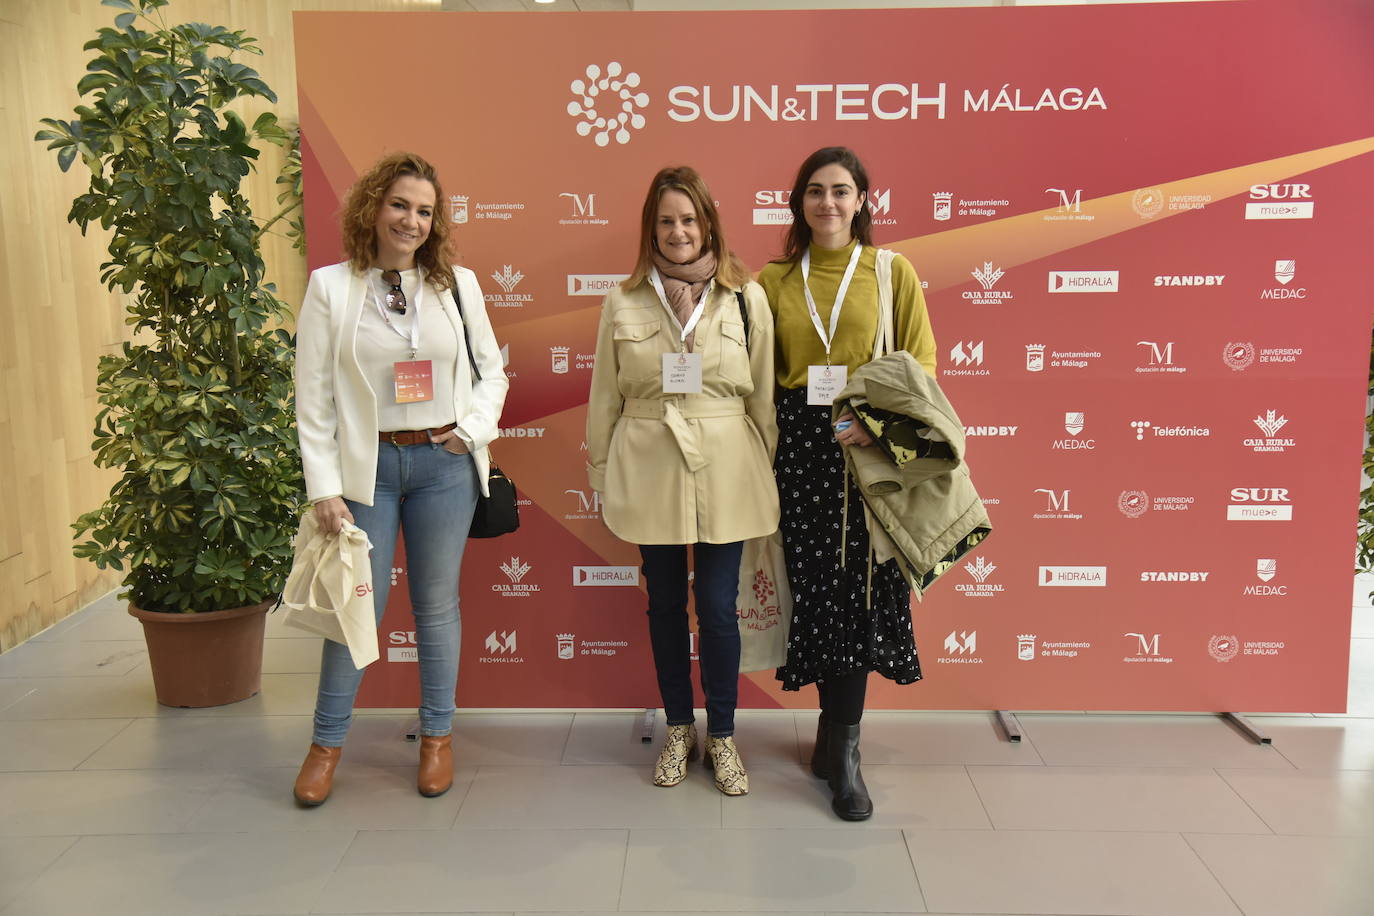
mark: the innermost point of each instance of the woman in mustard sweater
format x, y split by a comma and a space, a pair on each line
824, 295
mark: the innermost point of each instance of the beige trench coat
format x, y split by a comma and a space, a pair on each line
683, 468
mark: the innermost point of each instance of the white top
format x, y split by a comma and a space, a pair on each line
379, 346
336, 407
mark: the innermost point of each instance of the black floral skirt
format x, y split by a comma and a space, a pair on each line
841, 622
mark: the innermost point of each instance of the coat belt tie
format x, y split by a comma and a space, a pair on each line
675, 413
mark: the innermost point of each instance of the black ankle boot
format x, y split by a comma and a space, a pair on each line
851, 801
818, 761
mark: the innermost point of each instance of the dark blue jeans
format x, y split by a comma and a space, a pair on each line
716, 586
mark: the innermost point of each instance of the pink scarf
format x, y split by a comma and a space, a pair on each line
684, 284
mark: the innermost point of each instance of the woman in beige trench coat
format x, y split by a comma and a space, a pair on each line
680, 438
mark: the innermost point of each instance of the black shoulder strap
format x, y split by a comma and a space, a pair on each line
743, 315
458, 301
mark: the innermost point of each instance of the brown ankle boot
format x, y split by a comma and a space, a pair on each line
436, 765
317, 775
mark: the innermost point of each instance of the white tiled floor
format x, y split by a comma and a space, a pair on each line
111, 804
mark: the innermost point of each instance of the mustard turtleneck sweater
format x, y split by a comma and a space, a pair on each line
798, 345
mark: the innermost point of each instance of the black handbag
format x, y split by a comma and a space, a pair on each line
497, 512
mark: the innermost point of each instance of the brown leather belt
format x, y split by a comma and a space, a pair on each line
412, 436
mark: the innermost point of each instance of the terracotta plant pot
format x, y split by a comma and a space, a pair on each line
205, 659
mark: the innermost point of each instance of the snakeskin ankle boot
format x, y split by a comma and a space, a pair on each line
679, 746
723, 757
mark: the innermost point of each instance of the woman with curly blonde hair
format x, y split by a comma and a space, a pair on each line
394, 430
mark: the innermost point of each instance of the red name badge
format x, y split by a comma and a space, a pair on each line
414, 381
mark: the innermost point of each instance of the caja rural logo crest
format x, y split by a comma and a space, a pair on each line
606, 103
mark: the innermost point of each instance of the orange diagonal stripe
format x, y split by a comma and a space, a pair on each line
943, 258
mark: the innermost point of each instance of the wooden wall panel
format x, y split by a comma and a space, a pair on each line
56, 317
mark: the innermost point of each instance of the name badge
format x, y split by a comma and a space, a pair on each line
414, 381
823, 383
682, 373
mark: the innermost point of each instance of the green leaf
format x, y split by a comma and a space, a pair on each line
93, 81
207, 472
62, 128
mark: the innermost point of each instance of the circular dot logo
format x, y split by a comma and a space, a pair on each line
1223, 648
1148, 202
1133, 503
1239, 355
607, 104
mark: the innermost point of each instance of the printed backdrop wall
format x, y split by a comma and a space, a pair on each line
1143, 232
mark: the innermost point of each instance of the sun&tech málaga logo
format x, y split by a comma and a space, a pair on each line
607, 104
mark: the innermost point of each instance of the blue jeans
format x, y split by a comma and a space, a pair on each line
430, 493
716, 587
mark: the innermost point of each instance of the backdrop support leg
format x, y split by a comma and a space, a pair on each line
1249, 728
646, 725
1009, 725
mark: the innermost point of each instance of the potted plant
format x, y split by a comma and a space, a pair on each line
1364, 546
197, 409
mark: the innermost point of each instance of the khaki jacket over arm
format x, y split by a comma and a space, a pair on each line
675, 468
926, 513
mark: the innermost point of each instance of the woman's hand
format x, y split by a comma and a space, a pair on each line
331, 513
853, 432
451, 441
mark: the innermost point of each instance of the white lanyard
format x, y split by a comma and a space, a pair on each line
379, 294
839, 297
691, 324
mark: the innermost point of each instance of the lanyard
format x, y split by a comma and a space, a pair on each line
379, 293
691, 324
839, 297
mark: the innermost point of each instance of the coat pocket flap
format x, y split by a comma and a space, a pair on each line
636, 331
733, 331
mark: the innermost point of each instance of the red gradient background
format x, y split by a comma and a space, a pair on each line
1201, 99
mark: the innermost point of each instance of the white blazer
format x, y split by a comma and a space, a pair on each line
336, 408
